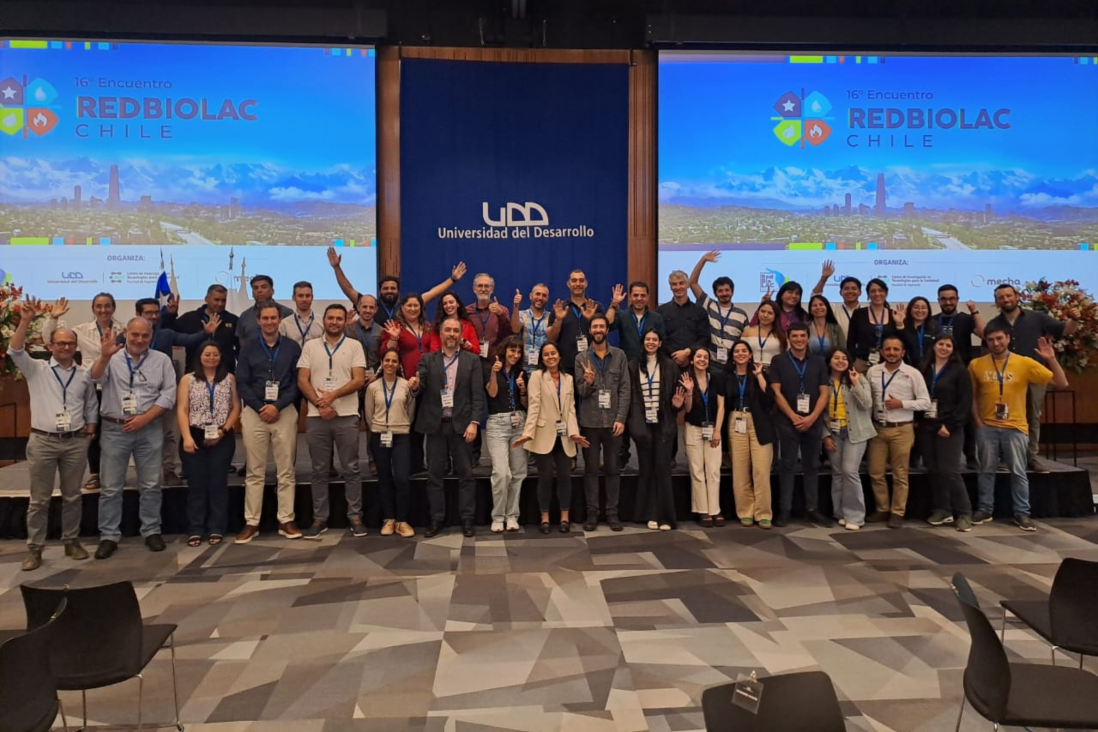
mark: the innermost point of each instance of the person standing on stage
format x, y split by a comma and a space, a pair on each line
726, 321
138, 389
569, 322
825, 335
450, 306
489, 318
751, 437
686, 322
330, 372
848, 430
939, 432
266, 377
64, 412
850, 289
195, 321
262, 293
507, 400
602, 380
302, 326
918, 331
389, 407
704, 409
869, 326
768, 341
532, 324
961, 326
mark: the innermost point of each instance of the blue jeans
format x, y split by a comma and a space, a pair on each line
1013, 447
147, 448
508, 464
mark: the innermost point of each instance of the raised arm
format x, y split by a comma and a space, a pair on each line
516, 318
345, 285
695, 275
438, 290
826, 271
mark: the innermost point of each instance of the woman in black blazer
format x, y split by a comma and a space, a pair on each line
751, 436
940, 433
869, 326
657, 397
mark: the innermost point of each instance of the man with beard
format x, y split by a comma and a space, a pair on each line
331, 371
388, 288
532, 324
604, 405
1027, 327
263, 292
450, 399
488, 317
569, 323
1001, 382
195, 321
631, 327
726, 321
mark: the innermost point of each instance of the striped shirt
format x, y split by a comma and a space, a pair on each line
725, 326
650, 390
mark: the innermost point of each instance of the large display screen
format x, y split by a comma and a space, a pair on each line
920, 170
212, 163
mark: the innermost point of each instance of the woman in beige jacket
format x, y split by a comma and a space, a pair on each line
552, 433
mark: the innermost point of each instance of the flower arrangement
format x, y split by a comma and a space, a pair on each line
10, 295
1065, 300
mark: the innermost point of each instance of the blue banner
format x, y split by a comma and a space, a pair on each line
519, 170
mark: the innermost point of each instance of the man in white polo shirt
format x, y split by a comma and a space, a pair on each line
330, 372
64, 412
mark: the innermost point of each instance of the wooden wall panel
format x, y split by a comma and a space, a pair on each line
388, 163
643, 75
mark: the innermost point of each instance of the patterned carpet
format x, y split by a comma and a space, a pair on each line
561, 632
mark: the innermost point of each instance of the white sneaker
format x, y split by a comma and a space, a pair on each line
497, 527
851, 527
665, 527
512, 524
653, 525
842, 522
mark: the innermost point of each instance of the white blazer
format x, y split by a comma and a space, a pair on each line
542, 413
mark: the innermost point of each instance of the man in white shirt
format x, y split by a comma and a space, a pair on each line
302, 326
850, 288
64, 412
899, 391
331, 371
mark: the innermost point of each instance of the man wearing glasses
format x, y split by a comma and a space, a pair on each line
63, 419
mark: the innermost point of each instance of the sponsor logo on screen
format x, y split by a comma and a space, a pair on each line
27, 106
528, 220
771, 279
802, 119
984, 281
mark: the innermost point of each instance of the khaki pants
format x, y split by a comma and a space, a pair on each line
705, 472
891, 446
750, 470
46, 457
258, 437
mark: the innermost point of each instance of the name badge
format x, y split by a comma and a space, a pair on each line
881, 416
835, 426
129, 404
803, 404
447, 400
932, 413
707, 431
64, 422
211, 432
874, 358
604, 398
484, 350
722, 354
386, 439
561, 427
516, 420
329, 384
1002, 411
531, 357
270, 391
651, 416
581, 343
740, 426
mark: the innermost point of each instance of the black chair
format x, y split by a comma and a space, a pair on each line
1021, 694
101, 640
1066, 618
801, 702
28, 690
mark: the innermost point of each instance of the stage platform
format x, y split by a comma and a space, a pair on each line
1063, 491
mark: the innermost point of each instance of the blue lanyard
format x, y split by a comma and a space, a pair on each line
723, 317
100, 329
921, 333
847, 312
821, 339
305, 331
1001, 374
272, 357
800, 369
762, 341
651, 380
137, 369
484, 319
64, 385
211, 387
884, 385
367, 338
705, 397
639, 323
577, 311
534, 326
418, 337
511, 389
560, 407
743, 387
388, 399
332, 353
934, 378
947, 323
388, 311
446, 370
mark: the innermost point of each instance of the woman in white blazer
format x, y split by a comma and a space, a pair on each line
552, 433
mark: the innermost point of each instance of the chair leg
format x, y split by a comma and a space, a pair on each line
140, 692
84, 704
175, 683
1081, 657
61, 708
963, 700
1052, 650
1003, 638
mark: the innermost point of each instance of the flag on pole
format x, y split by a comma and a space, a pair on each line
163, 288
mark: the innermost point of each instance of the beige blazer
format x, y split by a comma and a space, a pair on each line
542, 413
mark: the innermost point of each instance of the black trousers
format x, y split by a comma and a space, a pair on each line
942, 457
394, 470
556, 461
655, 500
442, 446
602, 440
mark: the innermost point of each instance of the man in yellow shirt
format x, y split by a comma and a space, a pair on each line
1000, 382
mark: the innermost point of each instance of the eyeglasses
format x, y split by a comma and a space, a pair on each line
65, 344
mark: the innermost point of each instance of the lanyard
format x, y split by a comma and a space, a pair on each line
388, 399
560, 407
388, 310
101, 330
331, 353
304, 331
271, 357
885, 385
743, 387
651, 378
534, 326
418, 337
835, 399
484, 319
723, 317
847, 312
577, 311
137, 369
211, 387
367, 338
705, 397
446, 369
511, 389
640, 323
920, 332
878, 325
821, 339
947, 323
801, 369
762, 341
1000, 374
64, 385
934, 379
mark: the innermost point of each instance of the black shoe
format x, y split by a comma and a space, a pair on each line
467, 528
615, 524
106, 549
814, 516
433, 529
781, 520
591, 524
155, 543
545, 527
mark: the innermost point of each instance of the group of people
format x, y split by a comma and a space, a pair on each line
837, 380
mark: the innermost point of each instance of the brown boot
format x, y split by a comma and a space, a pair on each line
75, 550
33, 560
405, 529
289, 531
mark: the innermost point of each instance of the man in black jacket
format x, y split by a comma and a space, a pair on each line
195, 321
450, 402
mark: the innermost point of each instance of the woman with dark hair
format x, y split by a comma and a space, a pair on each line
824, 333
657, 396
939, 433
408, 333
869, 326
787, 306
207, 409
751, 437
552, 433
704, 409
848, 430
918, 331
450, 305
389, 405
507, 402
766, 338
